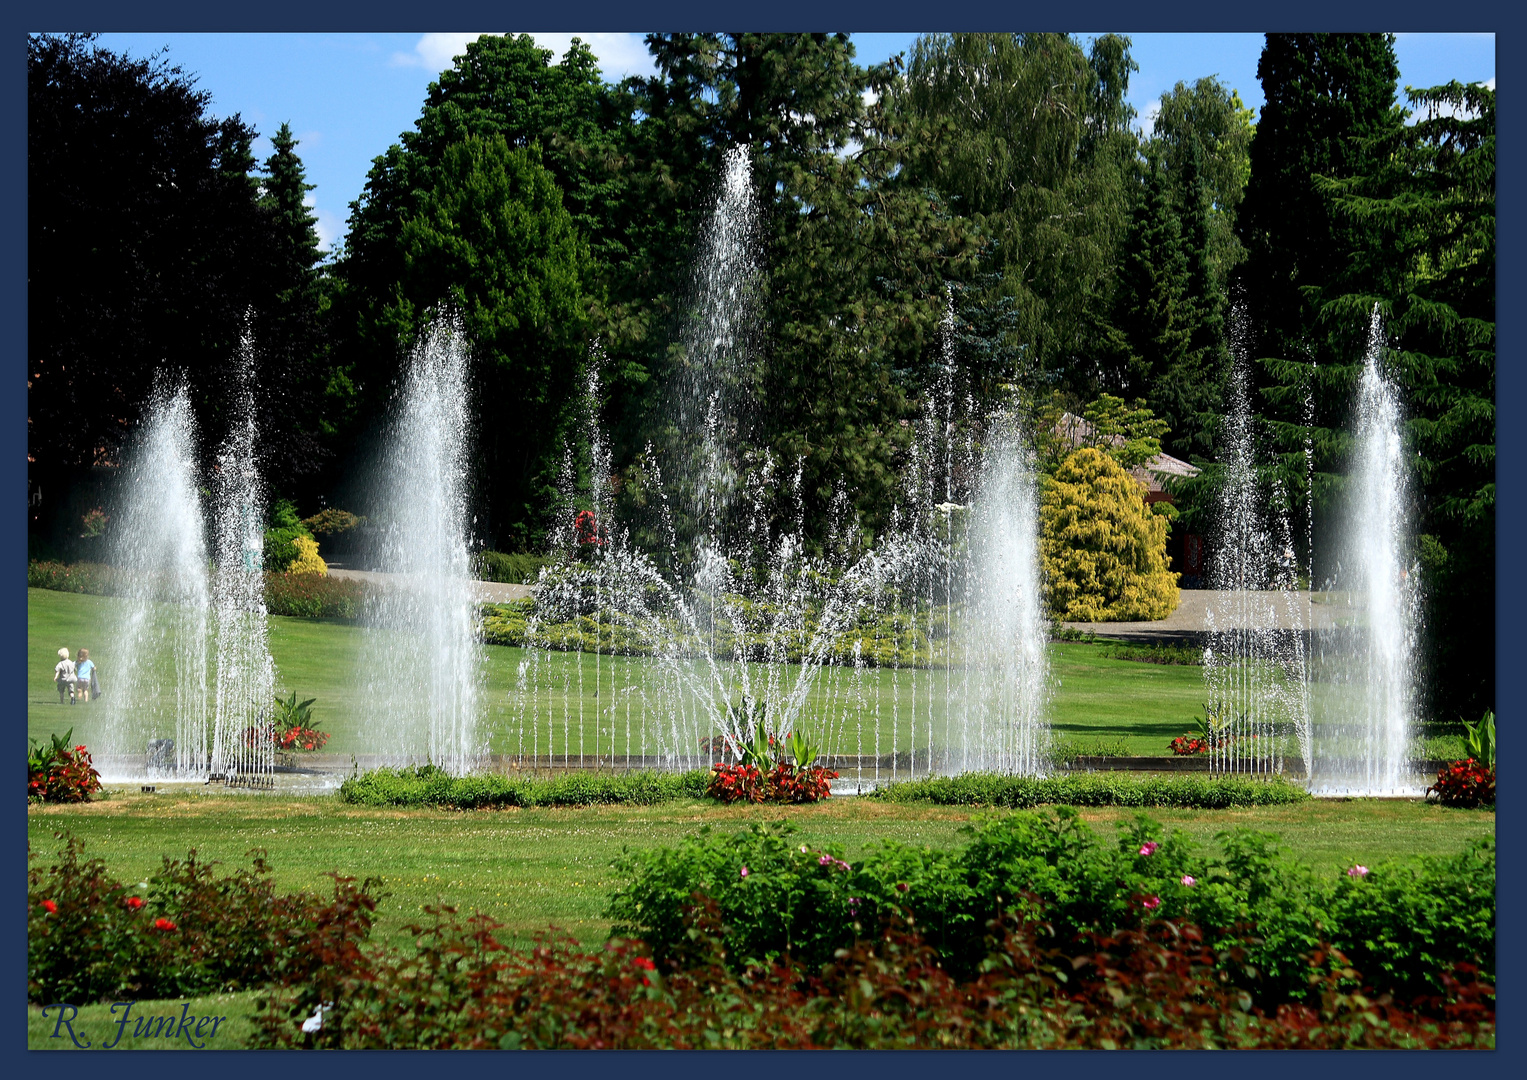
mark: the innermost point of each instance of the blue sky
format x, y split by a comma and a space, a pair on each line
349, 96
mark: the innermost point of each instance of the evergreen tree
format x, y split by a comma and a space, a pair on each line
291, 390
491, 238
1330, 99
1426, 214
413, 243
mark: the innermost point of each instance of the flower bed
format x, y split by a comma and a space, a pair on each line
1466, 784
59, 772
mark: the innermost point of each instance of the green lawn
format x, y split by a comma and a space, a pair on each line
587, 704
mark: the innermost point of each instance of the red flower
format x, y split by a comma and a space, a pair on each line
162, 923
50, 907
135, 902
643, 963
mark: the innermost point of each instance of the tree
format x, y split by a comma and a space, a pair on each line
1330, 100
1427, 215
436, 222
1202, 139
854, 253
291, 391
143, 225
491, 238
1029, 137
1104, 552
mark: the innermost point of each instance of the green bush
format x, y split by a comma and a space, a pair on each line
776, 896
331, 521
429, 785
1402, 920
1204, 792
281, 547
520, 568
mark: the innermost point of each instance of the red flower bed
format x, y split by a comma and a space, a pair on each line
1189, 744
782, 784
301, 738
61, 773
1465, 783
736, 783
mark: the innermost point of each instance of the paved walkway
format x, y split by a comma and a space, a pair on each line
489, 592
1204, 609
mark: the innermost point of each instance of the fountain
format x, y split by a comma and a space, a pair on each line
1256, 670
751, 622
423, 664
159, 677
1003, 630
1363, 719
243, 744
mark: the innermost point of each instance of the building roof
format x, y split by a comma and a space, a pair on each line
1075, 432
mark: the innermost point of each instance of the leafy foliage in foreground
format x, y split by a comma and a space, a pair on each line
429, 785
183, 932
1155, 986
1403, 923
1094, 789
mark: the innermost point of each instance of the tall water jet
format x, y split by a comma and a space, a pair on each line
716, 388
1362, 738
1256, 671
421, 679
158, 677
243, 743
1002, 725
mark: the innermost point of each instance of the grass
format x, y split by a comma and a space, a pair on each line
581, 704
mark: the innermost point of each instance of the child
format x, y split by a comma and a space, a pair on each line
84, 675
64, 676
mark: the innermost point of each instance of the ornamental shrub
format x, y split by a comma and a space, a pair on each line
1200, 791
460, 987
314, 596
776, 897
1465, 784
281, 547
307, 560
511, 569
58, 772
429, 785
1104, 552
188, 931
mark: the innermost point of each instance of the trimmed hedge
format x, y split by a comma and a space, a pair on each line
1094, 789
429, 785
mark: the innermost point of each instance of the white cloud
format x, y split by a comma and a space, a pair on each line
1148, 121
434, 52
1489, 84
330, 228
619, 54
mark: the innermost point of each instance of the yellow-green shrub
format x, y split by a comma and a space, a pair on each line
1104, 552
307, 560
